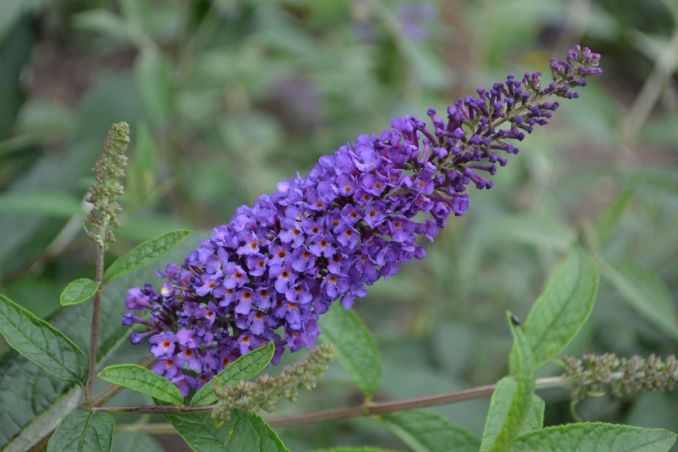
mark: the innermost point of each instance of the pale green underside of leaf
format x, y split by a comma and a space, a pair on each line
83, 431
563, 307
645, 292
608, 221
598, 437
37, 399
428, 432
48, 204
40, 342
500, 407
140, 379
145, 253
78, 291
535, 416
513, 397
356, 348
242, 433
242, 369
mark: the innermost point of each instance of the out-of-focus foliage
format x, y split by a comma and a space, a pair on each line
226, 97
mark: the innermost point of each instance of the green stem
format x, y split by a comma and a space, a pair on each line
94, 331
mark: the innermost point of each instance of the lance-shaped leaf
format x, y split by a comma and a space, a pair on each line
140, 379
40, 342
563, 307
242, 369
83, 431
356, 348
242, 433
38, 400
645, 292
50, 204
607, 222
512, 398
78, 291
535, 416
145, 253
428, 432
597, 436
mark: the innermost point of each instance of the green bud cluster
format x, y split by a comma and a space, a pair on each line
265, 392
109, 172
593, 374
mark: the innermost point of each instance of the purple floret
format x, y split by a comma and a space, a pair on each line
271, 271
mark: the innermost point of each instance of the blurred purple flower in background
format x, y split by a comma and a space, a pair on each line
271, 271
416, 20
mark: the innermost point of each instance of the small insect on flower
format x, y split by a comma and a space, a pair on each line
356, 217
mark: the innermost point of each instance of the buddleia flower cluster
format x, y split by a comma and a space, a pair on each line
356, 217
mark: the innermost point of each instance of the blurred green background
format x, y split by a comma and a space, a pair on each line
227, 97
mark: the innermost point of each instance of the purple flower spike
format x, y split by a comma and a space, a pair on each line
356, 217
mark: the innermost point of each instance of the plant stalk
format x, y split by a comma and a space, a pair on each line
374, 409
94, 331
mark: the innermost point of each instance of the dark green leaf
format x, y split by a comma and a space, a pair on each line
78, 291
597, 436
242, 369
38, 400
645, 292
249, 432
563, 307
145, 253
40, 342
428, 432
242, 433
83, 431
357, 350
140, 379
48, 204
608, 220
135, 442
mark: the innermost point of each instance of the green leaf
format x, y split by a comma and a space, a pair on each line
597, 436
535, 416
249, 432
353, 449
242, 433
140, 379
356, 348
102, 22
40, 342
242, 369
153, 77
83, 431
78, 291
513, 397
498, 414
52, 204
145, 253
428, 432
563, 307
645, 292
38, 400
608, 220
199, 431
134, 442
